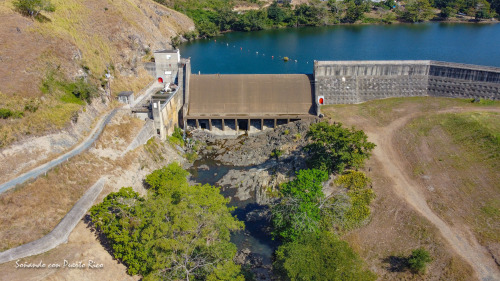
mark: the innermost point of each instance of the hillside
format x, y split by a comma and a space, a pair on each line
81, 39
435, 175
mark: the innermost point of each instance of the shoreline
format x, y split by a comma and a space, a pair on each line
448, 21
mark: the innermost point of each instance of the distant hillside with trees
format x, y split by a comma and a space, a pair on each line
215, 16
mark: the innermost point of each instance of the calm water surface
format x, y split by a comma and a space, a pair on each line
252, 52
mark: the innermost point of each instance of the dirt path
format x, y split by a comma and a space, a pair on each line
461, 240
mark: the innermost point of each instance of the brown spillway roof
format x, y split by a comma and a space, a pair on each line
250, 95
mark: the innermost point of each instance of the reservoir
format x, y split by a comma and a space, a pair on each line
263, 51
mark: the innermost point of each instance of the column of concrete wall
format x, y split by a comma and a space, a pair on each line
233, 123
358, 81
187, 77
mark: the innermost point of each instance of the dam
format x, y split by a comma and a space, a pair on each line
252, 102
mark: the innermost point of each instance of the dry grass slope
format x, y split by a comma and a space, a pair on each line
81, 38
450, 147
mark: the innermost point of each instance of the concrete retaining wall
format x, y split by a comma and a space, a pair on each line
465, 81
358, 81
147, 132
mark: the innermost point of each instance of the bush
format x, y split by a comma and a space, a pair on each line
7, 113
191, 156
418, 260
322, 257
33, 8
349, 210
72, 92
277, 153
353, 180
177, 137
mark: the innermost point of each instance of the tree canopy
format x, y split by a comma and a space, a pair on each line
335, 148
417, 11
419, 259
178, 232
322, 257
299, 209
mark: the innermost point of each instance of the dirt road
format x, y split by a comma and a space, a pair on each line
461, 240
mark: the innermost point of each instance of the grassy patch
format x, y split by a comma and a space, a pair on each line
191, 156
154, 149
177, 137
477, 133
489, 220
384, 111
465, 149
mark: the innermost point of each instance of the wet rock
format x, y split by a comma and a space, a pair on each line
203, 167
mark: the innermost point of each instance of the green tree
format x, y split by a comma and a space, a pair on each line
353, 13
276, 13
178, 232
335, 148
299, 209
417, 11
252, 20
419, 259
482, 10
447, 12
322, 257
495, 5
163, 180
33, 8
226, 18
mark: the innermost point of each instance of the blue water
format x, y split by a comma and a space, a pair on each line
251, 52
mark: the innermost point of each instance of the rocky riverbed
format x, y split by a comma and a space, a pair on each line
249, 169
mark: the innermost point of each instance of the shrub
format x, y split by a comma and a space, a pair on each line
72, 92
277, 153
353, 180
418, 260
33, 8
81, 89
177, 137
6, 113
322, 257
191, 156
298, 136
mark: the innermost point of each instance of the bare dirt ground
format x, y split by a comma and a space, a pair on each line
453, 246
82, 246
459, 237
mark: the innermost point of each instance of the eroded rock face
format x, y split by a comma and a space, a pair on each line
249, 173
257, 148
269, 157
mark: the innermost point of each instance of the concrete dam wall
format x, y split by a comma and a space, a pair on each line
341, 82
